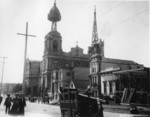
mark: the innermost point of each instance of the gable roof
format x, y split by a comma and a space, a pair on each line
118, 61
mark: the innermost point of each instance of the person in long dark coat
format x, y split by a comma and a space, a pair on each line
15, 106
7, 103
1, 99
22, 104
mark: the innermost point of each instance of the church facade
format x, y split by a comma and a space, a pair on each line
58, 66
109, 76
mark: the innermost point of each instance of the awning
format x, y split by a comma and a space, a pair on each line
110, 70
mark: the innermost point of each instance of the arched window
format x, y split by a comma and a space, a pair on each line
55, 45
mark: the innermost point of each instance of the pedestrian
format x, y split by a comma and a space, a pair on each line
22, 104
48, 99
44, 99
51, 97
15, 106
7, 103
1, 99
38, 99
100, 109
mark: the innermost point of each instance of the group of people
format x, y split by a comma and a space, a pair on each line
15, 105
42, 99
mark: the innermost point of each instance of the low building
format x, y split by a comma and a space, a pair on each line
64, 77
31, 77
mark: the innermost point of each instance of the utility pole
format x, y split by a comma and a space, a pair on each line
25, 54
2, 75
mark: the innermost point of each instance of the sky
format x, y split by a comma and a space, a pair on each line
123, 25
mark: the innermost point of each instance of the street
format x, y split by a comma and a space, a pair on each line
47, 110
36, 110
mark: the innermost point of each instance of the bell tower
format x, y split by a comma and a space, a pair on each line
96, 50
53, 40
52, 49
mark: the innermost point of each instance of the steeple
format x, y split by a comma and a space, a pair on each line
94, 33
97, 46
54, 16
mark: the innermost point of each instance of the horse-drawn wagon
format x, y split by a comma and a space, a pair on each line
75, 104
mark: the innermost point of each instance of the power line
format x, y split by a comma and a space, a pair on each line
113, 8
129, 18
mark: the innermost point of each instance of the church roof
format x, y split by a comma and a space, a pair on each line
54, 14
138, 70
118, 61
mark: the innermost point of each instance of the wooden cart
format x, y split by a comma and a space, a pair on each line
75, 104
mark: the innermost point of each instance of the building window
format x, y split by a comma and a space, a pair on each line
96, 79
92, 69
105, 87
68, 74
95, 69
46, 63
110, 87
55, 45
93, 79
56, 75
60, 74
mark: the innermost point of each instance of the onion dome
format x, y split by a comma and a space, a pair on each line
54, 14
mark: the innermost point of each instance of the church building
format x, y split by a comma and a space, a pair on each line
75, 69
109, 76
59, 67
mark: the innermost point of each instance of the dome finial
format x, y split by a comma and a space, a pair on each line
54, 2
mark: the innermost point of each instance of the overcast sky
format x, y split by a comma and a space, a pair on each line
123, 25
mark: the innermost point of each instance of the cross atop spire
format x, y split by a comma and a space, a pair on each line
94, 33
76, 43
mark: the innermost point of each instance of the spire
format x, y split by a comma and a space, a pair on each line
94, 33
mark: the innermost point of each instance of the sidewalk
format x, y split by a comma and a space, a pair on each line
125, 109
